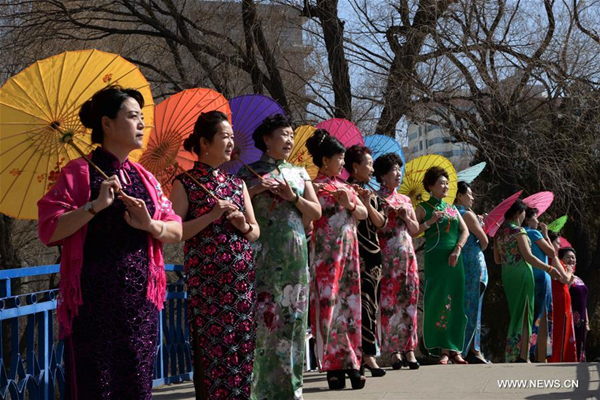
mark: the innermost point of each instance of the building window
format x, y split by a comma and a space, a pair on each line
421, 145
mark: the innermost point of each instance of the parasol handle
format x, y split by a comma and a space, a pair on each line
86, 158
237, 157
378, 195
208, 192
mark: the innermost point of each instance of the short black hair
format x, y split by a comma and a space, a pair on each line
517, 208
530, 212
105, 103
563, 251
432, 175
355, 154
267, 127
384, 164
322, 144
205, 127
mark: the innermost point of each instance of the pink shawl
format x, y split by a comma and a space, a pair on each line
71, 191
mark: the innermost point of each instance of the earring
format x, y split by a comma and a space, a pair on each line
206, 153
355, 171
326, 168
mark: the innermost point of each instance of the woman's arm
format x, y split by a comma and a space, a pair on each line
72, 221
253, 231
377, 218
532, 260
309, 204
410, 219
475, 228
497, 258
424, 225
462, 239
179, 198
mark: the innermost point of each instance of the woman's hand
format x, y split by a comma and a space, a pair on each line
263, 186
543, 229
437, 215
238, 219
343, 198
364, 195
554, 274
106, 197
453, 259
136, 214
402, 212
284, 190
222, 207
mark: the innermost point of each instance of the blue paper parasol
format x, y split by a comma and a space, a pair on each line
468, 175
247, 113
379, 145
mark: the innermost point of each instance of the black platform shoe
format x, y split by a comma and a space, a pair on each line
375, 372
410, 364
397, 364
336, 379
357, 379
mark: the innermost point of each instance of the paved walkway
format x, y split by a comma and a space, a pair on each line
543, 382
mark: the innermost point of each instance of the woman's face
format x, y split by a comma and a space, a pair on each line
569, 258
533, 222
127, 129
392, 179
362, 172
280, 143
556, 244
520, 217
440, 188
466, 199
333, 165
221, 147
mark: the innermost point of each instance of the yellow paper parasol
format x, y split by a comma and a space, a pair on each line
39, 111
300, 155
412, 185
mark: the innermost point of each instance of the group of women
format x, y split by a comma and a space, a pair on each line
547, 302
251, 272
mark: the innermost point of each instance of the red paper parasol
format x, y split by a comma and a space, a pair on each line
344, 131
564, 242
174, 121
495, 218
541, 201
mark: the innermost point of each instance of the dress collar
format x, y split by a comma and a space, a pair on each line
272, 161
207, 169
108, 160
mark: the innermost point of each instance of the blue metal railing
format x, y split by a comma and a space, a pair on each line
31, 364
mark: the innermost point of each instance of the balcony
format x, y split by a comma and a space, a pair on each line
31, 356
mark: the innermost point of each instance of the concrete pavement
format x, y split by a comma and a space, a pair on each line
536, 381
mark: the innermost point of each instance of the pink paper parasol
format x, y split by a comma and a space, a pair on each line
344, 131
495, 218
540, 200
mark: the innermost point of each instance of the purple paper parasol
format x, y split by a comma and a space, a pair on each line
247, 113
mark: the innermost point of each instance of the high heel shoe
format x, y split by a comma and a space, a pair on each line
336, 380
444, 362
397, 363
455, 360
357, 378
375, 372
410, 364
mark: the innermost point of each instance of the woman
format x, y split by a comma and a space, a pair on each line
579, 294
476, 275
281, 197
563, 330
512, 249
400, 281
541, 247
112, 279
359, 163
217, 229
445, 236
335, 266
